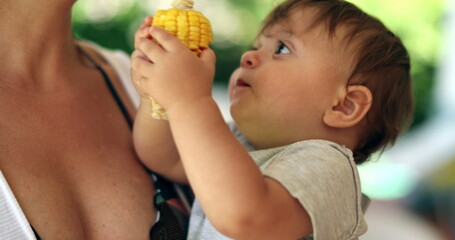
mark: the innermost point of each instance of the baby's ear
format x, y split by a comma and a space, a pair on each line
350, 108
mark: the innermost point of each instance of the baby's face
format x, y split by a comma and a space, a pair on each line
283, 87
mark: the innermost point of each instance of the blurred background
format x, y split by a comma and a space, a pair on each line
412, 185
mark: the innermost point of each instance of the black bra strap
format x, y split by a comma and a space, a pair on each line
173, 221
110, 86
36, 234
114, 93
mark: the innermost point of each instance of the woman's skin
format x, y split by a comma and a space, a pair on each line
65, 148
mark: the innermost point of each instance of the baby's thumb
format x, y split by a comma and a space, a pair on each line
208, 56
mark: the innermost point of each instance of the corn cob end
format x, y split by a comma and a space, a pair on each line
158, 111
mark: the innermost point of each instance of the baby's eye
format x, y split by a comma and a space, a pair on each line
282, 49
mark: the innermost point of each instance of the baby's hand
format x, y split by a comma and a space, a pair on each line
142, 32
167, 70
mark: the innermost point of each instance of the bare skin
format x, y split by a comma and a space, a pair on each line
266, 106
65, 148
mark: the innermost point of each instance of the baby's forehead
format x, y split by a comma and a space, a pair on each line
277, 30
296, 23
308, 22
301, 28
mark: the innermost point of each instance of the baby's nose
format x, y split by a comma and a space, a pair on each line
249, 59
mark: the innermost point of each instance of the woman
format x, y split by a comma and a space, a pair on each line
67, 166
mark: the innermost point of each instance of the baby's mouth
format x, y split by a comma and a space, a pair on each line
241, 83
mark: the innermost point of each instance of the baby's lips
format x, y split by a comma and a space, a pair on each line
241, 83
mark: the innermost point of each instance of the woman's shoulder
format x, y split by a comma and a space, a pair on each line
118, 60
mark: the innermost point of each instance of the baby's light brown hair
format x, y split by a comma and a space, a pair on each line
382, 64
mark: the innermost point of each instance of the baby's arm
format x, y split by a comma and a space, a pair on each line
228, 184
153, 141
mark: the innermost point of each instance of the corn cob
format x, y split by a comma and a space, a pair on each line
191, 27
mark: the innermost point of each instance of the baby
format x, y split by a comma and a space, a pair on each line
324, 87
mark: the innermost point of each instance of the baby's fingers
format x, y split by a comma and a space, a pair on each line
140, 54
140, 65
208, 56
146, 22
150, 48
143, 30
140, 34
168, 42
140, 70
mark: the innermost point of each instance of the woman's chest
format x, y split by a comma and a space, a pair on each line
76, 175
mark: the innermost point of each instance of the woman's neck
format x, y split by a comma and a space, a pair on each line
35, 38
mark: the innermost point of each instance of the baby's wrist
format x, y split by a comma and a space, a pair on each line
196, 107
144, 101
145, 105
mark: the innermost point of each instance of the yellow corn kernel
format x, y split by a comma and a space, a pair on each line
191, 27
188, 25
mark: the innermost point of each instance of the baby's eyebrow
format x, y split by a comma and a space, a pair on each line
278, 33
256, 44
282, 34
